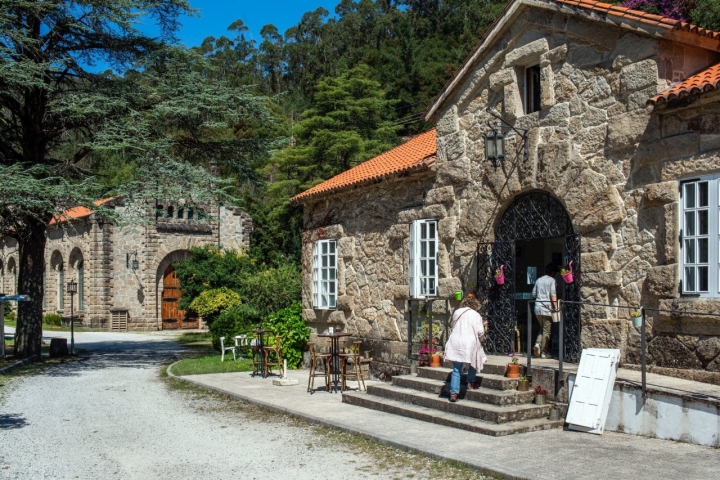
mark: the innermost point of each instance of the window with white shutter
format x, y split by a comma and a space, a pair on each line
324, 274
700, 236
423, 258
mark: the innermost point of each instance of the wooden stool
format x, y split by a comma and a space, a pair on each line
354, 358
314, 358
278, 363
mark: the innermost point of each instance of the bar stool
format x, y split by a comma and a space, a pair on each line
314, 358
278, 359
354, 358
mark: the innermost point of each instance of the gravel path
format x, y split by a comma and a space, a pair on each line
111, 416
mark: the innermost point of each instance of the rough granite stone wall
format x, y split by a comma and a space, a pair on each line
613, 161
103, 250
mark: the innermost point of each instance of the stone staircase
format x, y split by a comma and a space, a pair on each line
497, 408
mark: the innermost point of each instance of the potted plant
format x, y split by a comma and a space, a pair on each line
423, 338
540, 395
636, 318
523, 383
436, 358
500, 275
458, 294
567, 273
513, 368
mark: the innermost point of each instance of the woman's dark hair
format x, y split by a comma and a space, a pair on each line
551, 269
470, 302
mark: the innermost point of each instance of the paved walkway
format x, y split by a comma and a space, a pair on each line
554, 454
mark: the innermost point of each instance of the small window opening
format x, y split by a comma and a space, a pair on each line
532, 89
191, 214
180, 213
159, 211
170, 211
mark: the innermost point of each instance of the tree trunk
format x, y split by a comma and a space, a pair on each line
28, 334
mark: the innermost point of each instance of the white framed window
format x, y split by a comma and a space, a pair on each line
324, 274
423, 258
700, 236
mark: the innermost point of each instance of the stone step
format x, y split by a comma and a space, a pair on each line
482, 394
482, 411
485, 379
448, 419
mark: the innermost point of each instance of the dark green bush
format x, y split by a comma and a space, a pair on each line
52, 320
289, 324
233, 322
273, 289
10, 316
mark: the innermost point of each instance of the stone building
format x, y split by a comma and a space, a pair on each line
610, 123
125, 275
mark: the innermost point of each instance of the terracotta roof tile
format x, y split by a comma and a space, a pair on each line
415, 154
705, 81
77, 212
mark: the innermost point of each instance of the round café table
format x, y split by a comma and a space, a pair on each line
335, 356
259, 364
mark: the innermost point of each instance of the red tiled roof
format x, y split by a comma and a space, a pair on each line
77, 212
415, 154
705, 81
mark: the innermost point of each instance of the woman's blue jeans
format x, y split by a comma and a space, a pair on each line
455, 378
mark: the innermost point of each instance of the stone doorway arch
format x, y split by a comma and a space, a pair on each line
530, 221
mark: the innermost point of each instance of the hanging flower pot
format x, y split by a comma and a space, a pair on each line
458, 294
636, 318
500, 275
567, 273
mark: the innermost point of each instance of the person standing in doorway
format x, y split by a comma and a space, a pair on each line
464, 345
545, 295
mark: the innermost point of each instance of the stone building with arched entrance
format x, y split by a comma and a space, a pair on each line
574, 132
125, 274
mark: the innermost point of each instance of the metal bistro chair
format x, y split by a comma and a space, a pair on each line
352, 358
242, 345
278, 358
224, 349
316, 357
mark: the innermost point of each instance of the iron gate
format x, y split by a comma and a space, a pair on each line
497, 301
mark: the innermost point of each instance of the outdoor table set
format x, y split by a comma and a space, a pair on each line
335, 366
258, 353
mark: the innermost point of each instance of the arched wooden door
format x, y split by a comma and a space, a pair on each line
172, 316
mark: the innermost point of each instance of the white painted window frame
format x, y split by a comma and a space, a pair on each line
424, 258
692, 236
324, 274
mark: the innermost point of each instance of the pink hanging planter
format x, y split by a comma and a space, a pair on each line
568, 277
500, 275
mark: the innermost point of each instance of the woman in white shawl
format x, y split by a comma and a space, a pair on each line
464, 345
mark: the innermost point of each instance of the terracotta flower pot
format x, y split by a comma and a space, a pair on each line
435, 360
513, 370
523, 385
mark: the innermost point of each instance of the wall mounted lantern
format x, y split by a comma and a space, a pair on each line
134, 263
495, 140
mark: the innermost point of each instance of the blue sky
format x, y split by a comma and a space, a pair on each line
216, 15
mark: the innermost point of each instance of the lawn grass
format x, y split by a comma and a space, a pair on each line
194, 338
211, 364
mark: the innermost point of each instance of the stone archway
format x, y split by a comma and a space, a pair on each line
531, 220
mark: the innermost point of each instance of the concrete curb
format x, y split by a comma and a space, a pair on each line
7, 368
324, 422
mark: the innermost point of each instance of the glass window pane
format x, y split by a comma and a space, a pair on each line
331, 287
431, 267
703, 222
689, 279
689, 224
423, 268
423, 249
332, 247
432, 230
324, 262
703, 255
431, 249
332, 300
332, 274
332, 260
431, 286
703, 283
689, 251
703, 194
324, 273
324, 247
423, 230
689, 195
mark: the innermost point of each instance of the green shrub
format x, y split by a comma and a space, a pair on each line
233, 322
10, 316
211, 303
52, 319
273, 289
288, 324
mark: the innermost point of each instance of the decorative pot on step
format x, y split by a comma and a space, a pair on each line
513, 370
523, 385
540, 399
435, 360
458, 294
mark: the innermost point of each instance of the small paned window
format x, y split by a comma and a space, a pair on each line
191, 214
180, 213
170, 211
532, 89
324, 274
423, 258
700, 237
159, 211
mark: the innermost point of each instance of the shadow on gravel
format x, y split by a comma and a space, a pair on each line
10, 421
119, 354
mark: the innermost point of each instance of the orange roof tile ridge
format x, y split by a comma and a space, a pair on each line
702, 82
